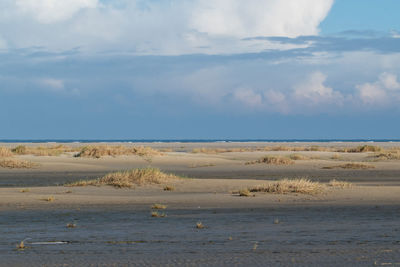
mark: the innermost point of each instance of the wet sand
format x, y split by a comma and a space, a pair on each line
359, 226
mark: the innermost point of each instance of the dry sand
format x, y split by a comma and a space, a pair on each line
353, 226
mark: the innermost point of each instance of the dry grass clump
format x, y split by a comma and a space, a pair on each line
388, 155
17, 164
361, 149
24, 190
336, 156
105, 150
274, 160
339, 184
286, 186
354, 166
55, 150
200, 225
146, 176
5, 152
169, 188
49, 199
296, 148
21, 246
71, 225
157, 214
298, 157
158, 207
194, 165
205, 150
245, 193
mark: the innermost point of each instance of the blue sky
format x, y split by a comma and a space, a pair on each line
180, 69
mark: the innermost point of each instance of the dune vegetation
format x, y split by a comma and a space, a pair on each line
106, 150
354, 166
130, 178
273, 160
5, 152
358, 149
286, 186
388, 155
339, 184
12, 163
55, 150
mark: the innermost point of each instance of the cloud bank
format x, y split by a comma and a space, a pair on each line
158, 27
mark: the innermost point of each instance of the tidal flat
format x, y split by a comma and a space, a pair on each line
357, 224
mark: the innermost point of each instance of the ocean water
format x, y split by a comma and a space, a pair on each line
193, 140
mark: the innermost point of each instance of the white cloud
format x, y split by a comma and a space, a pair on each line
389, 81
159, 27
314, 92
248, 97
239, 18
50, 11
371, 93
383, 91
3, 44
52, 84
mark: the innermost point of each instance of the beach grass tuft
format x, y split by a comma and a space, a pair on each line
5, 152
106, 150
388, 155
54, 150
273, 160
169, 188
49, 199
339, 184
245, 193
353, 166
286, 186
130, 178
157, 214
298, 157
24, 190
71, 225
158, 207
200, 225
17, 164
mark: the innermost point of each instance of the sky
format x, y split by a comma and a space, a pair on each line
199, 69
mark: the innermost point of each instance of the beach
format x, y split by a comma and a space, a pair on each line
353, 224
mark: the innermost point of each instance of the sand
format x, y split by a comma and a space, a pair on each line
353, 226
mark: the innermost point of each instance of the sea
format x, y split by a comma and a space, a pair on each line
194, 140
